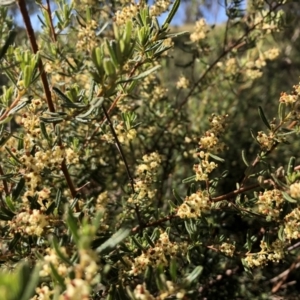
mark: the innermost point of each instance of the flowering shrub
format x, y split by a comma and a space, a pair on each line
112, 176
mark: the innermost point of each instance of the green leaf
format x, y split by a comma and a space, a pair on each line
281, 233
246, 268
281, 111
44, 131
66, 101
109, 67
10, 75
31, 283
59, 252
173, 270
58, 197
216, 157
9, 41
177, 197
111, 47
14, 241
194, 274
73, 204
263, 117
244, 158
19, 106
149, 240
287, 197
114, 240
12, 155
27, 75
56, 276
18, 189
171, 14
4, 217
9, 203
141, 75
51, 119
291, 166
189, 179
73, 226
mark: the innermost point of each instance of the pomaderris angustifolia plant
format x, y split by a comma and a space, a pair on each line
112, 167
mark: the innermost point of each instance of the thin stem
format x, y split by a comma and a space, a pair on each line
112, 106
30, 33
34, 47
120, 149
48, 9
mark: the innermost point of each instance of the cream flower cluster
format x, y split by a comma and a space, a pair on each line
268, 22
29, 223
159, 7
141, 292
76, 289
292, 225
291, 98
52, 258
154, 93
84, 271
146, 173
266, 141
210, 143
227, 248
126, 14
86, 37
50, 159
155, 256
270, 203
182, 83
253, 68
87, 267
125, 135
295, 190
194, 205
200, 31
273, 253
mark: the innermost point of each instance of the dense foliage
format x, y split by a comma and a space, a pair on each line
138, 162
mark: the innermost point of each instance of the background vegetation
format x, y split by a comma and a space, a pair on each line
142, 161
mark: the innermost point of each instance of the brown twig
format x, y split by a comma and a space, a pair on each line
16, 101
284, 275
30, 33
48, 9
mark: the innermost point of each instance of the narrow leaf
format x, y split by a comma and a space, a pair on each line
263, 117
291, 165
171, 14
281, 111
73, 226
31, 284
141, 75
216, 157
114, 240
194, 274
59, 252
18, 189
189, 179
10, 39
287, 197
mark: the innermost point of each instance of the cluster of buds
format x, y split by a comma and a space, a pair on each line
210, 143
